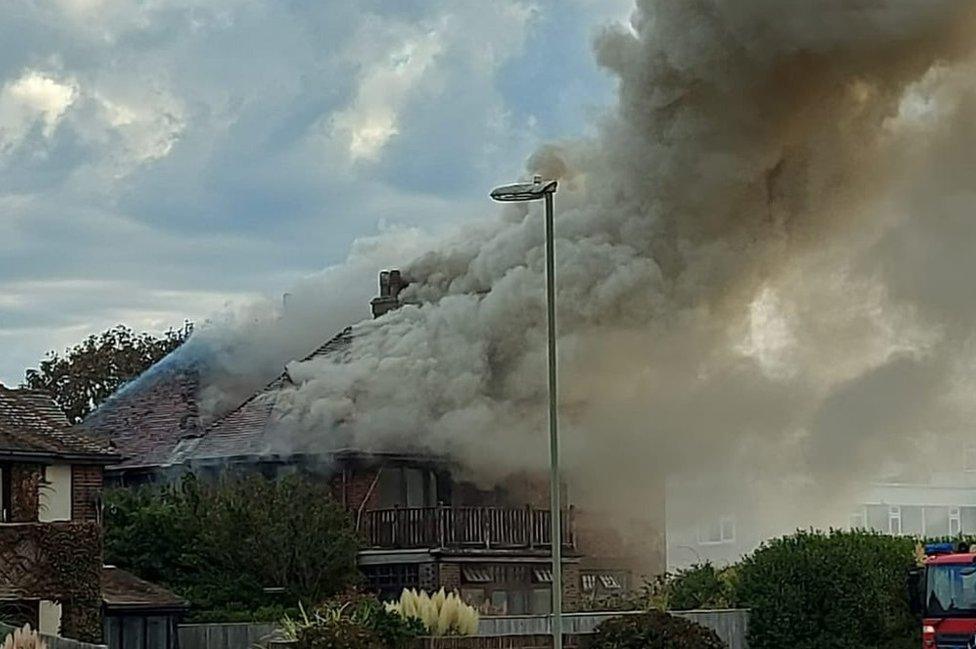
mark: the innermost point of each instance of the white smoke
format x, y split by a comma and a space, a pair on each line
763, 261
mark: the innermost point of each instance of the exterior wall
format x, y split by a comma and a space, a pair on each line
86, 492
60, 562
25, 480
449, 576
55, 494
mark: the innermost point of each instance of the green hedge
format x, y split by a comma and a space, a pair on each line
834, 590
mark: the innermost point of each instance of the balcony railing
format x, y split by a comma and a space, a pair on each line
464, 527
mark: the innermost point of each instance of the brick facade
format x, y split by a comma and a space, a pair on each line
86, 492
356, 489
449, 577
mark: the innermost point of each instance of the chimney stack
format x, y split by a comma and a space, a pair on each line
391, 283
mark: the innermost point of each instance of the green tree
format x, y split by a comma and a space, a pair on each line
88, 373
221, 545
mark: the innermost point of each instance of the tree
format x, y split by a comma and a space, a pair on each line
222, 545
91, 371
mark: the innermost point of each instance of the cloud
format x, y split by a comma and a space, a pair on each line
33, 99
235, 146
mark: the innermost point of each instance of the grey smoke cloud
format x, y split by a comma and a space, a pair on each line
762, 264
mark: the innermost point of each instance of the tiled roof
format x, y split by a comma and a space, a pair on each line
32, 423
244, 430
123, 590
147, 419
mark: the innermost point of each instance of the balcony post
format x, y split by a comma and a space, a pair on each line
529, 531
396, 526
440, 512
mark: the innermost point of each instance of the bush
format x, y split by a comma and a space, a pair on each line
815, 590
220, 545
698, 587
352, 621
653, 630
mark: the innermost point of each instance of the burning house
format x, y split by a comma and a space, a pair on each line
425, 521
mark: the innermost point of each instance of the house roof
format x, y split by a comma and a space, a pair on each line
148, 418
155, 420
245, 431
122, 590
32, 424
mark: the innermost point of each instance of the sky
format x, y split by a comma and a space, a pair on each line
163, 160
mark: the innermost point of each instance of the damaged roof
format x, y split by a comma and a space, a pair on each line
32, 424
155, 421
243, 432
147, 419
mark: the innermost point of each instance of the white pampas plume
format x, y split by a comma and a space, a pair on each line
24, 638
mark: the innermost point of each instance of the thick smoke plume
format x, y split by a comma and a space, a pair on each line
763, 263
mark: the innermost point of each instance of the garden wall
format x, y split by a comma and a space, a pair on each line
503, 632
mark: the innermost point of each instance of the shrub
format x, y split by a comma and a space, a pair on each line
221, 544
351, 621
815, 590
698, 587
653, 630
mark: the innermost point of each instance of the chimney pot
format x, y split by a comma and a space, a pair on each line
391, 283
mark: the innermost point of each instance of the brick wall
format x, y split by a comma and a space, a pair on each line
450, 576
571, 586
25, 497
355, 486
86, 492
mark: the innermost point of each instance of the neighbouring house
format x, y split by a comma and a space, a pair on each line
707, 523
139, 614
423, 524
50, 527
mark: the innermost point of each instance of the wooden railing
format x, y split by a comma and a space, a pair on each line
464, 527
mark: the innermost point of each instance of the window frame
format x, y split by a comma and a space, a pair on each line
723, 521
894, 514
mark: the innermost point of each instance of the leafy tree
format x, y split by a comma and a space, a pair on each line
91, 371
221, 545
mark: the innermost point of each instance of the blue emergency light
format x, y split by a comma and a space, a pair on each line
939, 548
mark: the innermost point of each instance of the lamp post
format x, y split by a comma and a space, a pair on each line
521, 192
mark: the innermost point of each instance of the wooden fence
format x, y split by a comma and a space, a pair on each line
461, 527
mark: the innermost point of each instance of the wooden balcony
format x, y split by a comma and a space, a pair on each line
491, 528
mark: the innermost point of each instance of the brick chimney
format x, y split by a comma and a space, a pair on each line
391, 283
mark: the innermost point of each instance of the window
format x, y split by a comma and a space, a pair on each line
499, 602
859, 519
541, 603
955, 521
894, 519
720, 530
473, 596
406, 487
969, 458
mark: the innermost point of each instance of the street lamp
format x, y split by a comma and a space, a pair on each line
520, 192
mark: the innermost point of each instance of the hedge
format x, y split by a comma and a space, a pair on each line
833, 590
